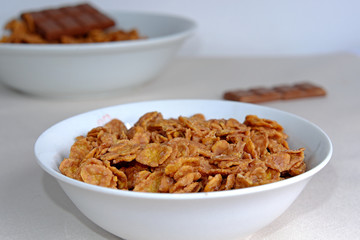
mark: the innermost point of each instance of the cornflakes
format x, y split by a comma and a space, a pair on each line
183, 155
22, 31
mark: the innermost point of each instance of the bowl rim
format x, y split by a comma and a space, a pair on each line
188, 196
101, 46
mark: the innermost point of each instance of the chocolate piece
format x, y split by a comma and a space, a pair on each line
290, 92
311, 89
281, 92
266, 94
70, 21
254, 95
241, 96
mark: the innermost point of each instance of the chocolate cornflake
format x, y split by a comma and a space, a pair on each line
67, 21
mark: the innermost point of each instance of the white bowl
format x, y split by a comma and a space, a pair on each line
216, 215
61, 70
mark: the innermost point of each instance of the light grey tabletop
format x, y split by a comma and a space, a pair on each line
33, 206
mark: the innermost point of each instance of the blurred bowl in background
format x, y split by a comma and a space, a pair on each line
64, 70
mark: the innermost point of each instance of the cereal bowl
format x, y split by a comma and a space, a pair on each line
63, 70
229, 214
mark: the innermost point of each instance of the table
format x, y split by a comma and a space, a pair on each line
33, 206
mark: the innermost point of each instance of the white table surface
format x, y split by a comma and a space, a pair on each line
33, 206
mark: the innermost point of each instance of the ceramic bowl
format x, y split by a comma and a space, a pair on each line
215, 215
63, 70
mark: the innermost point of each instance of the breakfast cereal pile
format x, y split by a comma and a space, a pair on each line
183, 155
70, 24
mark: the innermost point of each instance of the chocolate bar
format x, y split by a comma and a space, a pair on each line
67, 21
281, 92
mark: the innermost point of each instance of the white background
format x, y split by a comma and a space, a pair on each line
244, 27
